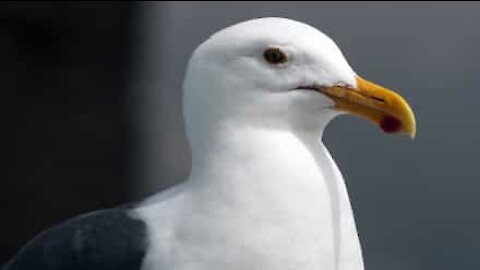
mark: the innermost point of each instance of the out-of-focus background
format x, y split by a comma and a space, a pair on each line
92, 118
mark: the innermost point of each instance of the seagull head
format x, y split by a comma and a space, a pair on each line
282, 74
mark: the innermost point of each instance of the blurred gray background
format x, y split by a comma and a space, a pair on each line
416, 202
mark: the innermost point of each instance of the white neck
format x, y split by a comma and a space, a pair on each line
252, 157
279, 179
274, 177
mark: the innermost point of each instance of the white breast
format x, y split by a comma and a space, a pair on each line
265, 201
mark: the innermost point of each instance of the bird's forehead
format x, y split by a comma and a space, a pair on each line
271, 31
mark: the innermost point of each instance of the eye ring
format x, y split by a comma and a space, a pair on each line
274, 56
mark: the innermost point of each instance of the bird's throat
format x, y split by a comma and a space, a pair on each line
254, 168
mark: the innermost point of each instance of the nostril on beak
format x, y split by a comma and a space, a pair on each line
378, 99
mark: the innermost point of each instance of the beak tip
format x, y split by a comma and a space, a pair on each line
411, 131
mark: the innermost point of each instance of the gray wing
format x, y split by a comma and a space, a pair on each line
107, 239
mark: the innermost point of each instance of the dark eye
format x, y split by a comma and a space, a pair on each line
274, 56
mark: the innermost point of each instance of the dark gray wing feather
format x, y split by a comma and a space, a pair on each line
107, 239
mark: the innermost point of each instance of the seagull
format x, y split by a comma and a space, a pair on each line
263, 191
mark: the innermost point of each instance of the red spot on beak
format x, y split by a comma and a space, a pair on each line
390, 124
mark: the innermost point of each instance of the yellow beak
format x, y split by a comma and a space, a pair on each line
375, 103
